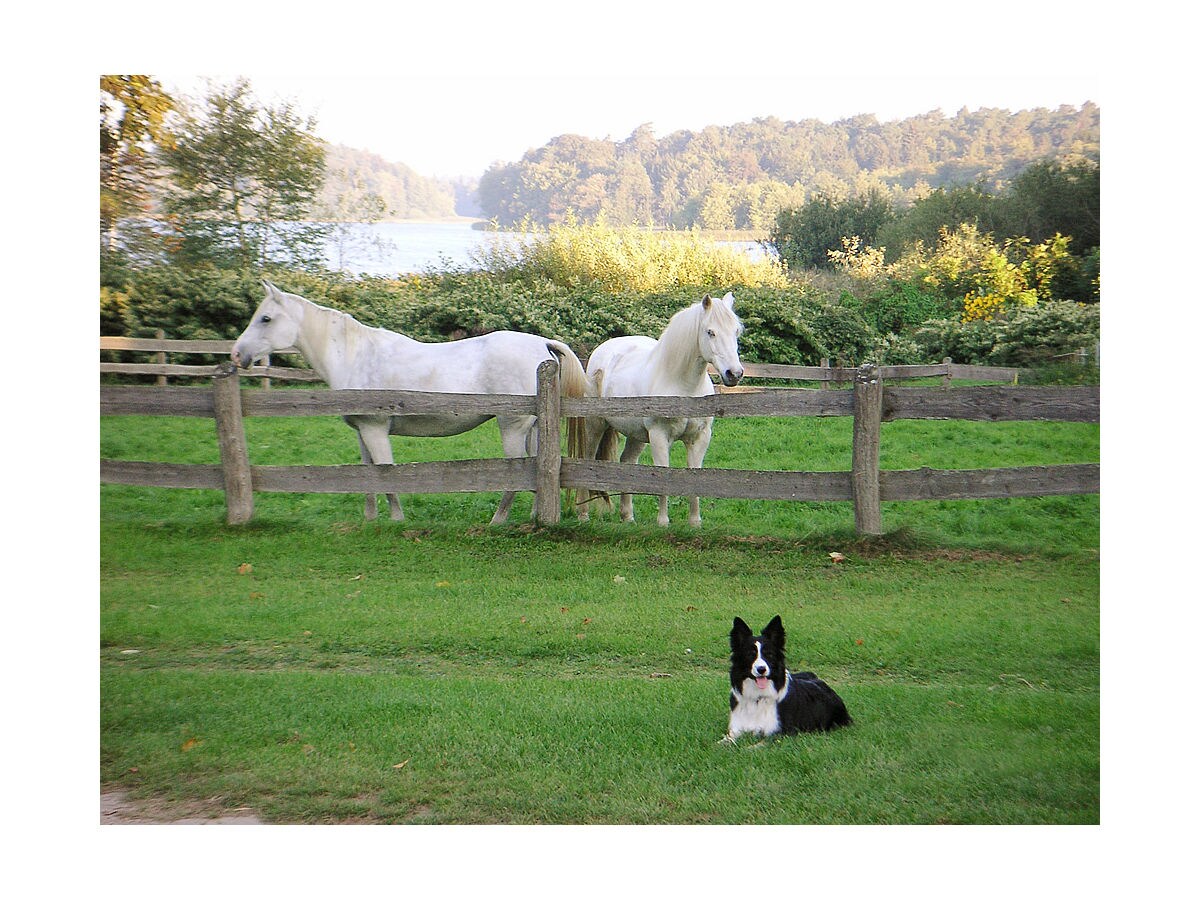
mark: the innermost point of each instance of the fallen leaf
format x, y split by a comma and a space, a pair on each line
859, 642
401, 765
660, 674
442, 584
357, 578
245, 569
129, 652
189, 744
564, 609
618, 579
587, 621
689, 609
837, 557
256, 595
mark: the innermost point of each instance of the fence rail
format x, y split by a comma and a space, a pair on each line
865, 485
824, 373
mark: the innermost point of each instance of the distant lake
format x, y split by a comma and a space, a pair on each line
397, 248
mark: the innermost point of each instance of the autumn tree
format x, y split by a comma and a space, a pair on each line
133, 122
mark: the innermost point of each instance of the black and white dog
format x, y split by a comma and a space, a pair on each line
765, 698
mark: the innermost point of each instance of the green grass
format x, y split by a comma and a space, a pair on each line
579, 674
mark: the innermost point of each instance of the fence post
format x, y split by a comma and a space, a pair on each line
864, 469
824, 383
548, 500
947, 378
161, 357
266, 382
231, 438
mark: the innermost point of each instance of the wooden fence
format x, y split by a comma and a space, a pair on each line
865, 485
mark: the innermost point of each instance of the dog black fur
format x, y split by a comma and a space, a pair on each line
764, 698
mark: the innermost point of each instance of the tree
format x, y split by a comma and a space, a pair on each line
244, 179
805, 237
1050, 198
133, 118
941, 208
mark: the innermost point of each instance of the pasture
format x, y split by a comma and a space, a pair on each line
319, 668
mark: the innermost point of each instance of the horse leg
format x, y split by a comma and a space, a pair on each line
695, 459
516, 440
370, 505
593, 433
376, 449
633, 449
660, 453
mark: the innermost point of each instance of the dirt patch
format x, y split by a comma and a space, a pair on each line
117, 808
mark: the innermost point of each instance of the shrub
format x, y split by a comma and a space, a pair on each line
627, 259
1049, 331
1030, 337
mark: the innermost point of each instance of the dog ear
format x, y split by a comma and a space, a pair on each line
740, 631
774, 632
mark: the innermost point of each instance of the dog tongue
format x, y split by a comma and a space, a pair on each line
762, 683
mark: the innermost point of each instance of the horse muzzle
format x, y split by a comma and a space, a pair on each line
730, 377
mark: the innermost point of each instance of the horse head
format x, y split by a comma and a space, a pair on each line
720, 329
274, 326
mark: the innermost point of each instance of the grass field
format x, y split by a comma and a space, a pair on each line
319, 668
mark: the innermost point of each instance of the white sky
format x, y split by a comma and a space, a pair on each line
450, 92
452, 124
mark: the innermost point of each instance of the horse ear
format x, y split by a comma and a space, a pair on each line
269, 288
728, 298
706, 301
774, 631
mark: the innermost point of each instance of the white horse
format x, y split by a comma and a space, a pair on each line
676, 365
351, 356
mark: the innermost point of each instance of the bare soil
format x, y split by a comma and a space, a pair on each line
117, 808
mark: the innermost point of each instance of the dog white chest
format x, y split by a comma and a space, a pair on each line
756, 711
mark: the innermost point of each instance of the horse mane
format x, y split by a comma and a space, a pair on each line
678, 341
324, 327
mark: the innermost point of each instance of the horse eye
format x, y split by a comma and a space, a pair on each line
265, 319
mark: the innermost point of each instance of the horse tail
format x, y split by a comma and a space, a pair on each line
573, 382
610, 451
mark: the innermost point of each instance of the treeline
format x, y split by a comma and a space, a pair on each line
740, 176
359, 184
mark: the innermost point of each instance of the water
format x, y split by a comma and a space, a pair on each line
397, 248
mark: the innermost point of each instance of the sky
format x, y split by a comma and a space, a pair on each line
448, 124
450, 90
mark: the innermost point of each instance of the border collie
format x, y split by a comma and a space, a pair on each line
765, 698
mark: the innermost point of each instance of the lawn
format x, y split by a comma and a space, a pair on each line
319, 668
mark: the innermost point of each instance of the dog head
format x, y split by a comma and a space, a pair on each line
757, 660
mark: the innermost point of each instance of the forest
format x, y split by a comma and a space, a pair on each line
740, 176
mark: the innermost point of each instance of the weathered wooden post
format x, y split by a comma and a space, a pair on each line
161, 356
947, 378
231, 438
864, 469
548, 501
824, 383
